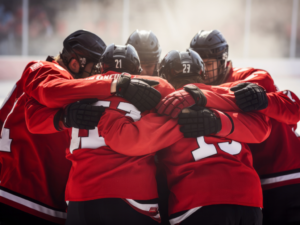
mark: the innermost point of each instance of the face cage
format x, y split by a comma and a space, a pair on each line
216, 71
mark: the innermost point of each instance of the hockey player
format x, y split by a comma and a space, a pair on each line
147, 45
122, 177
34, 169
276, 160
121, 189
211, 178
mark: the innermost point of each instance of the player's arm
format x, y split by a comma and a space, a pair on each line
221, 97
150, 134
283, 106
39, 119
56, 88
242, 127
197, 94
43, 120
259, 77
153, 132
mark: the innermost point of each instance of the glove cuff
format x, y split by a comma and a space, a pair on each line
123, 83
194, 91
58, 120
227, 125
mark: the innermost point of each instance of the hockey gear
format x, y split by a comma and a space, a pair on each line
148, 48
212, 45
139, 92
84, 46
120, 58
172, 104
146, 44
250, 97
178, 65
82, 114
198, 121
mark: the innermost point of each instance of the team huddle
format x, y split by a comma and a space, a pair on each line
115, 135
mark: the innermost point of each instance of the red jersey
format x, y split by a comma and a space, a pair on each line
117, 176
277, 159
200, 171
145, 137
34, 169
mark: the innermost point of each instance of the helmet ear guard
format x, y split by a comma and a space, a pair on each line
84, 46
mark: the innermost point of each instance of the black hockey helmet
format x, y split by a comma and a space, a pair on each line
146, 44
120, 58
212, 45
181, 65
86, 47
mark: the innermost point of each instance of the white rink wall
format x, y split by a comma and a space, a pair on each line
285, 72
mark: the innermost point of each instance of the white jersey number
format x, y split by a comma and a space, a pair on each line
205, 150
94, 140
288, 93
5, 141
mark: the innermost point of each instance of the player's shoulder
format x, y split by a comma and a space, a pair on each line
40, 64
242, 70
247, 70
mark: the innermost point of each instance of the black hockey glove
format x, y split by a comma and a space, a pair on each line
250, 97
82, 114
198, 121
138, 92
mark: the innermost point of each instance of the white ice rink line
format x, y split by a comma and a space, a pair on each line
291, 83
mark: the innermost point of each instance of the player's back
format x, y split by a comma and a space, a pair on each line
34, 168
105, 173
210, 170
118, 175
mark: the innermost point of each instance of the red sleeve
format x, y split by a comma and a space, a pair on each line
283, 106
259, 77
283, 103
54, 87
219, 97
39, 119
248, 127
150, 134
